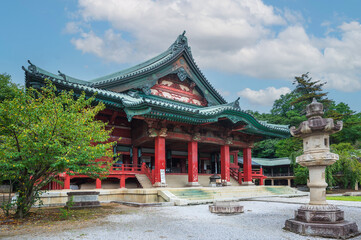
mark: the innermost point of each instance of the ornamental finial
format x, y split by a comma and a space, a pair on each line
315, 109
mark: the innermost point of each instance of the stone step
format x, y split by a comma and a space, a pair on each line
144, 181
180, 181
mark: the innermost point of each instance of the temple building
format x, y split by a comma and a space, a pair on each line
167, 120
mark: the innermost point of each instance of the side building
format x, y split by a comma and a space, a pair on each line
171, 121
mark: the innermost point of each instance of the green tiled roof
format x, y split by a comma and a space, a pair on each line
136, 102
271, 162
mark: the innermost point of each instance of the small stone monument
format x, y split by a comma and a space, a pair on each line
226, 208
82, 199
215, 180
318, 218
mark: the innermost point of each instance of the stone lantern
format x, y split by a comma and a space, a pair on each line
318, 218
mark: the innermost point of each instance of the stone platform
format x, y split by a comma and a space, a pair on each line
323, 221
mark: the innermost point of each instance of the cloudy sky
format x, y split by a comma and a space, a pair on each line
246, 48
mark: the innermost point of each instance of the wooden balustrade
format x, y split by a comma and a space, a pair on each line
146, 170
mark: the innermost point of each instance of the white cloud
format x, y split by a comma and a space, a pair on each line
229, 35
263, 97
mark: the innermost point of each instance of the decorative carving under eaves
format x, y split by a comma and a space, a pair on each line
152, 132
229, 141
196, 136
182, 74
162, 132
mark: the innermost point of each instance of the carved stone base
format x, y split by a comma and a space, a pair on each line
226, 208
321, 220
247, 184
226, 184
193, 184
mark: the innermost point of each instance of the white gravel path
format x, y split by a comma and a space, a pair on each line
261, 220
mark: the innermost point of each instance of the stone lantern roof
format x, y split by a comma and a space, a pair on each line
315, 122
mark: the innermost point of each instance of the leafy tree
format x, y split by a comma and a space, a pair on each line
8, 89
307, 89
285, 147
45, 133
348, 167
265, 149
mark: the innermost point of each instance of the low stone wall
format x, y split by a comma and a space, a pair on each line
60, 197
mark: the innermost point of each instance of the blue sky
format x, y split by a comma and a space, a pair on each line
251, 49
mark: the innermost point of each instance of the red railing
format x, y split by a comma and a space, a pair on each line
146, 170
119, 167
258, 174
234, 173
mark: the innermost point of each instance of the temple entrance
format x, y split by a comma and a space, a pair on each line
176, 165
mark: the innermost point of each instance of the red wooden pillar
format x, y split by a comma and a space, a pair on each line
159, 161
67, 182
247, 166
225, 173
98, 183
122, 181
193, 164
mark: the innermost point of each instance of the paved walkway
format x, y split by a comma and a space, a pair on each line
263, 219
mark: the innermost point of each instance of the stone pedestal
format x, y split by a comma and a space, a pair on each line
321, 220
82, 200
193, 184
226, 208
247, 184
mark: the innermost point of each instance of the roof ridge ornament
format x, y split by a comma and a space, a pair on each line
62, 75
180, 43
234, 104
32, 68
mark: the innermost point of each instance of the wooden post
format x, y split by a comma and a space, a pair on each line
193, 164
159, 160
225, 172
98, 183
122, 181
67, 182
247, 166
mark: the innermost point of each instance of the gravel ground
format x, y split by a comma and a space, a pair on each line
261, 220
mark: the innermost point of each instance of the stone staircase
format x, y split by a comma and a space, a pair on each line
189, 196
180, 181
144, 181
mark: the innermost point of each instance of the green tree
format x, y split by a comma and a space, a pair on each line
265, 149
348, 167
45, 133
8, 89
307, 89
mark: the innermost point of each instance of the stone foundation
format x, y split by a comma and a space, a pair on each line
321, 220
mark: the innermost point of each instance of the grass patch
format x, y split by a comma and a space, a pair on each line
345, 198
